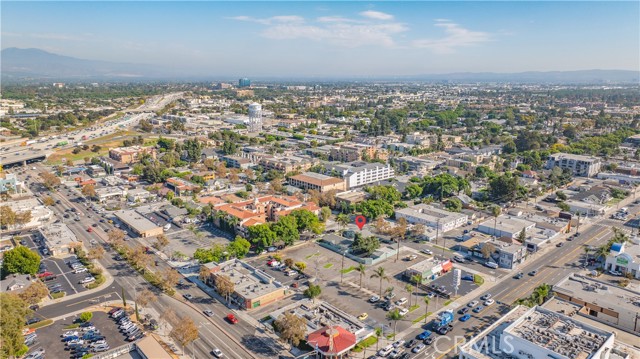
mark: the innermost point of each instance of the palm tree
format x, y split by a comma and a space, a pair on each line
361, 268
586, 250
541, 293
409, 289
381, 274
395, 316
343, 220
389, 291
427, 300
378, 335
495, 212
602, 251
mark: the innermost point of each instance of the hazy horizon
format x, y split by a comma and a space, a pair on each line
333, 39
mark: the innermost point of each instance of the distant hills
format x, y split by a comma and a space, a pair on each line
35, 65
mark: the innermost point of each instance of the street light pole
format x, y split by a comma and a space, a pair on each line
342, 269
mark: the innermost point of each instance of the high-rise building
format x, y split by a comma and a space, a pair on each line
255, 117
244, 82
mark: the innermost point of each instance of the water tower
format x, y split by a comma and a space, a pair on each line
255, 117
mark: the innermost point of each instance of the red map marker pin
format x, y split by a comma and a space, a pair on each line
361, 221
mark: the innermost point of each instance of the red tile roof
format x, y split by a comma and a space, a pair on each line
332, 340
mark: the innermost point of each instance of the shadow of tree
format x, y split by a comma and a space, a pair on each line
264, 346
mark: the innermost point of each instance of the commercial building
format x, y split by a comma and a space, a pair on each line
505, 226
58, 238
430, 216
138, 195
181, 186
585, 166
139, 224
287, 164
586, 209
9, 183
39, 213
244, 82
602, 301
253, 287
317, 181
429, 269
332, 342
237, 162
534, 333
507, 255
131, 154
358, 174
106, 193
625, 258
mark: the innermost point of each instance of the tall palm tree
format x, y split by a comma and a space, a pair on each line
381, 274
378, 335
495, 212
541, 293
343, 220
586, 250
361, 268
395, 316
409, 289
427, 300
602, 252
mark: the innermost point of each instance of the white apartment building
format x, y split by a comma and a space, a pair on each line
357, 174
432, 217
585, 166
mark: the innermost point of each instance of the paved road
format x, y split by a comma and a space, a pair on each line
214, 332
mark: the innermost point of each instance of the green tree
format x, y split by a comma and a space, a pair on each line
381, 274
301, 266
20, 259
86, 316
453, 204
325, 213
563, 206
313, 291
366, 245
504, 188
522, 236
561, 195
373, 209
413, 191
239, 247
394, 316
427, 300
262, 235
14, 311
291, 327
343, 220
307, 221
286, 229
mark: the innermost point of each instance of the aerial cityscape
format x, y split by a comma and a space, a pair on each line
252, 180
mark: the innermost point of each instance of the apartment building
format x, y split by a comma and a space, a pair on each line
358, 174
584, 166
317, 181
349, 152
131, 154
287, 164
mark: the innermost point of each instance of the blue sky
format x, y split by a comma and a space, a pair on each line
334, 38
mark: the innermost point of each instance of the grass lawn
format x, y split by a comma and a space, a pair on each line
328, 265
41, 324
421, 318
414, 307
312, 255
365, 344
448, 302
347, 270
57, 295
440, 247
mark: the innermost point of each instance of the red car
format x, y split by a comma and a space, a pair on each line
232, 318
45, 274
89, 229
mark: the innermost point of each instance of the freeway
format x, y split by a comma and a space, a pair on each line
214, 332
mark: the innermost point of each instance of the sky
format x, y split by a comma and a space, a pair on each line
305, 38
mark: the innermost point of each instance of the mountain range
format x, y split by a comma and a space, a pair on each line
35, 65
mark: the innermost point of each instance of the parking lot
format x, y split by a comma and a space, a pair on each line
50, 338
65, 279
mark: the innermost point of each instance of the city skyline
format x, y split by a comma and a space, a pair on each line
334, 39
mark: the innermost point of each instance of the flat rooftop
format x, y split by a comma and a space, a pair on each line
135, 220
317, 179
599, 293
57, 234
249, 282
558, 333
430, 213
508, 224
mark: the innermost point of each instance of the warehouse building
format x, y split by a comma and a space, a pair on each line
138, 224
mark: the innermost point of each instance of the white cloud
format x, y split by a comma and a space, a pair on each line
456, 36
335, 30
376, 15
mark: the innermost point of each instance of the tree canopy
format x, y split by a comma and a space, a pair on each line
20, 260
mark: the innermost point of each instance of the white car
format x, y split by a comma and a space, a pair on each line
426, 251
374, 299
80, 270
403, 311
401, 301
69, 334
615, 273
217, 353
385, 351
87, 280
489, 302
472, 304
398, 343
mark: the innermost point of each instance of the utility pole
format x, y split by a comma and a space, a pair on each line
437, 230
578, 225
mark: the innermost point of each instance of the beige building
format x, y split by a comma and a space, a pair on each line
131, 154
317, 181
138, 223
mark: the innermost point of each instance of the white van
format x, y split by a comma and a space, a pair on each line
493, 265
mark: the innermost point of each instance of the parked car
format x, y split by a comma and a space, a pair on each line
492, 265
615, 273
465, 317
374, 299
426, 251
418, 348
187, 296
489, 302
478, 309
533, 272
